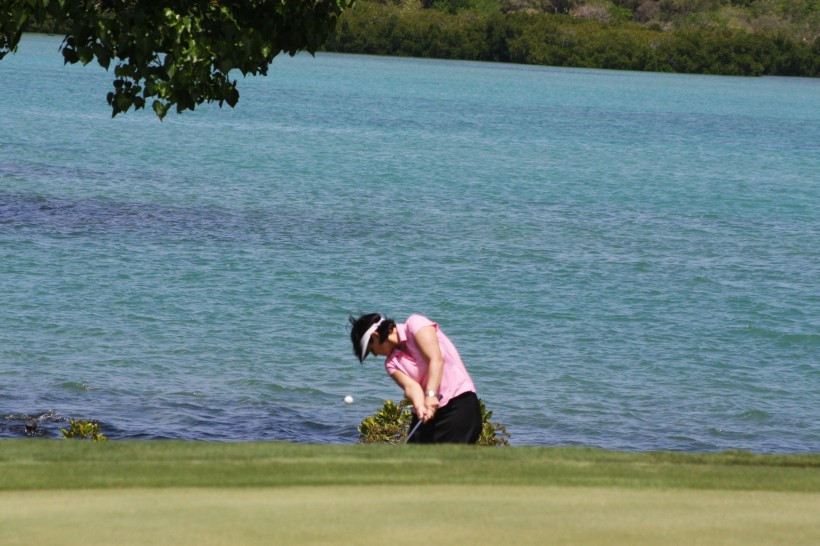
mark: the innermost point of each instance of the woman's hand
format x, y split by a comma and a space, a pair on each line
430, 407
421, 412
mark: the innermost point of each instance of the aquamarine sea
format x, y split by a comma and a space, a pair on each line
625, 260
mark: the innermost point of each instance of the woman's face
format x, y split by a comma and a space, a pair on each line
384, 348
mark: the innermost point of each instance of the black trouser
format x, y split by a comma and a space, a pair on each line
459, 422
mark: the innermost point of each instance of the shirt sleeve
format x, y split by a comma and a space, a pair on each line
417, 322
400, 362
390, 365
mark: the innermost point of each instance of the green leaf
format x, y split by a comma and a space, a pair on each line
160, 109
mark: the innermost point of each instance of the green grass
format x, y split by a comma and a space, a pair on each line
57, 464
73, 492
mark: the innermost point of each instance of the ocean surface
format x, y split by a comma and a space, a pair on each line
625, 260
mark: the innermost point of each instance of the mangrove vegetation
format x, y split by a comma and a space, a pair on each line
728, 37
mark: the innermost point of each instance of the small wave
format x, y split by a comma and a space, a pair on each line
789, 338
44, 417
755, 415
723, 433
192, 394
275, 388
77, 387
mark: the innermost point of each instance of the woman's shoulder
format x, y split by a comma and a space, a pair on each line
416, 322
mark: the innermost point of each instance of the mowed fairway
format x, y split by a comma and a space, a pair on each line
59, 492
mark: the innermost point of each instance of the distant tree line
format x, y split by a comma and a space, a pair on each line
695, 36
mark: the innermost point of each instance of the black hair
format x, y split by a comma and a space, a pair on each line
360, 326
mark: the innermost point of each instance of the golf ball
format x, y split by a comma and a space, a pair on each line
348, 399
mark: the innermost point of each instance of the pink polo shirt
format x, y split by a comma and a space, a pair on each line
454, 377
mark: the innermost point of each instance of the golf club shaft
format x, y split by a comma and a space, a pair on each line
415, 428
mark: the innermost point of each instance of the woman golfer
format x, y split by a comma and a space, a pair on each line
426, 365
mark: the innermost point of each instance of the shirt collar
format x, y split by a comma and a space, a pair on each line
402, 329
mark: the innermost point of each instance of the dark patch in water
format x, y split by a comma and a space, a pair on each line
98, 217
42, 425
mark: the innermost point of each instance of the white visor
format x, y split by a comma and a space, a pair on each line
366, 338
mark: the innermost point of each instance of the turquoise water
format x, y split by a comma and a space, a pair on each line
625, 260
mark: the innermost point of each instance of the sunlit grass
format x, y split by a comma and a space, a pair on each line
64, 464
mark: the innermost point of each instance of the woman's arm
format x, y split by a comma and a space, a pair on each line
427, 342
413, 392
